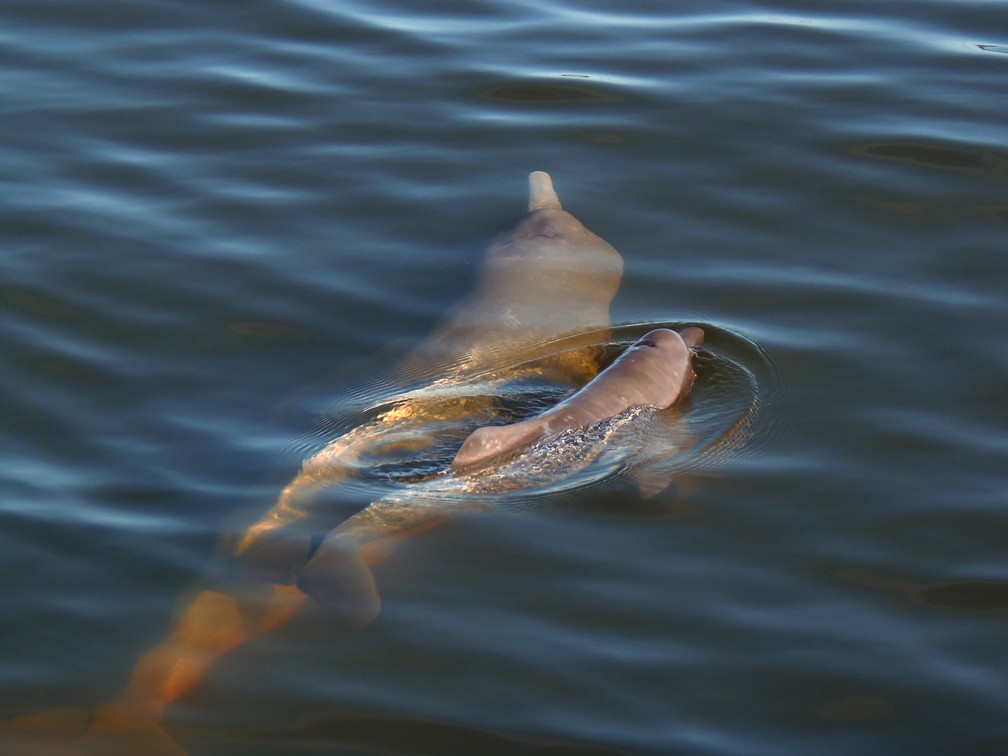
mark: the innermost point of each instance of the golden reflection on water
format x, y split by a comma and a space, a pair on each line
857, 709
968, 595
943, 157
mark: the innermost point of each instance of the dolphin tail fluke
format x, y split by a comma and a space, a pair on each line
542, 196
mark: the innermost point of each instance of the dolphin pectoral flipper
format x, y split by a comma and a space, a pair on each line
649, 485
337, 578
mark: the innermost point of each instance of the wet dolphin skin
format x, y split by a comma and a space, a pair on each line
656, 371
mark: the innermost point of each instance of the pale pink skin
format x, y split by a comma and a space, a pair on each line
656, 371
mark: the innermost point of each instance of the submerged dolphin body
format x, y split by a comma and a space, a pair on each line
549, 277
654, 372
548, 281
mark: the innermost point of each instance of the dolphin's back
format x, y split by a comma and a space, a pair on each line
656, 371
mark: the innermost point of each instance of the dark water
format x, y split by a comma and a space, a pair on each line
208, 208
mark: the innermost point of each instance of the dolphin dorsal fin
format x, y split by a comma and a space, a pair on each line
542, 196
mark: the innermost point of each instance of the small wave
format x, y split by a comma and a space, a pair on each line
398, 443
540, 93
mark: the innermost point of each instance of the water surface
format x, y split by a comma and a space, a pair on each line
216, 222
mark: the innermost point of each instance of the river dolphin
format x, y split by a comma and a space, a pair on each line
547, 282
655, 372
548, 278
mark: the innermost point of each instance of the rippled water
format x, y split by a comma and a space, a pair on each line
222, 225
